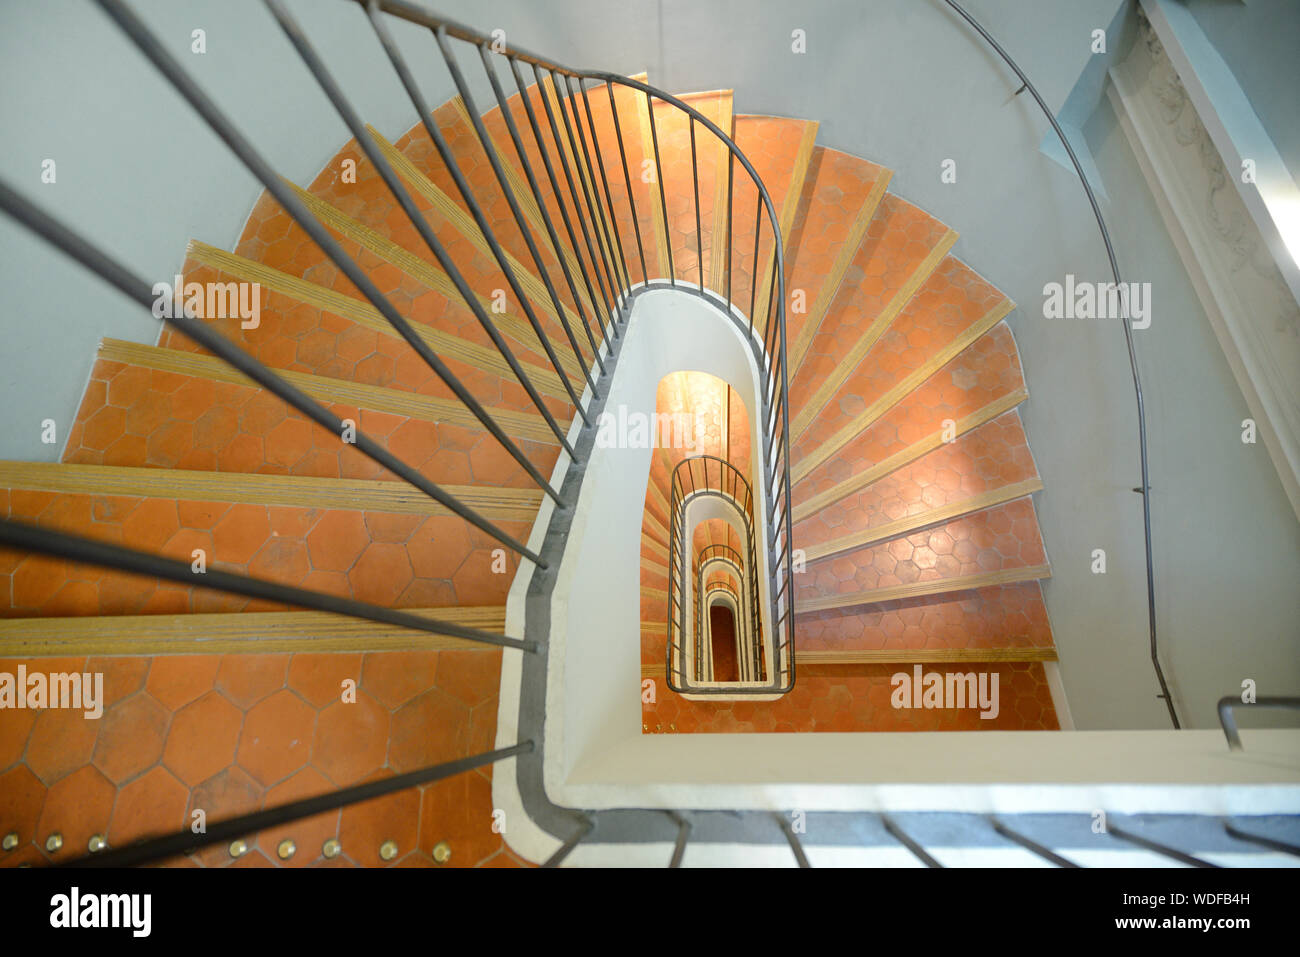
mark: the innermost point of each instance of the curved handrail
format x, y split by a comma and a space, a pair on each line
1145, 488
770, 348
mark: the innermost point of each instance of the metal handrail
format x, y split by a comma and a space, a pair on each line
1145, 488
1228, 721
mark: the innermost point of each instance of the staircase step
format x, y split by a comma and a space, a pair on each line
292, 491
522, 425
982, 383
432, 277
781, 151
654, 604
374, 541
651, 550
245, 632
902, 249
453, 348
836, 205
993, 622
1002, 541
672, 129
482, 271
987, 466
144, 415
951, 310
886, 531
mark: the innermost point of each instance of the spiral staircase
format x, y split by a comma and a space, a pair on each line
914, 530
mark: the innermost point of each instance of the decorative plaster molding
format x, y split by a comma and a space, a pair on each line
1251, 307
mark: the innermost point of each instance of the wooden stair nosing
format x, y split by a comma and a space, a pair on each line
923, 589
237, 632
525, 425
256, 489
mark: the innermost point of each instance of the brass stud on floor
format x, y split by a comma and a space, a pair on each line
9, 841
238, 847
286, 849
442, 852
96, 844
54, 842
388, 850
331, 848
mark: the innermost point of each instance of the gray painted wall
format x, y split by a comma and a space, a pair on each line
901, 82
1260, 41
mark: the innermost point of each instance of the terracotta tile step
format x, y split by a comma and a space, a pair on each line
236, 733
901, 248
781, 150
373, 541
982, 382
422, 265
317, 345
1009, 617
141, 409
835, 207
953, 309
1002, 542
990, 464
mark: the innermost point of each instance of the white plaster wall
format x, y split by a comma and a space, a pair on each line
595, 636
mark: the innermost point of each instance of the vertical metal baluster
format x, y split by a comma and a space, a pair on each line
793, 840
1045, 853
485, 141
471, 203
699, 232
592, 195
609, 200
602, 262
573, 191
627, 180
753, 276
353, 121
584, 828
601, 322
663, 200
1163, 849
527, 166
905, 839
731, 165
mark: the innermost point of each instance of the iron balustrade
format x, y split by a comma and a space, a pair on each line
708, 476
